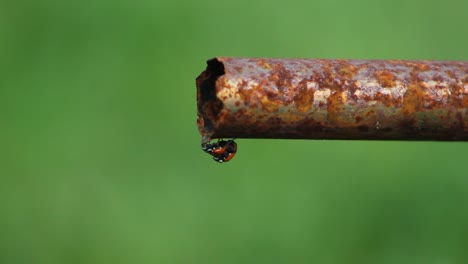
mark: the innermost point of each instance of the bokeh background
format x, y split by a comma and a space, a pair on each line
100, 155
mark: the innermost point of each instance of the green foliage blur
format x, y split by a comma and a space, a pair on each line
100, 155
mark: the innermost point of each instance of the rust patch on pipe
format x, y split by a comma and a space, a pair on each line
333, 99
385, 78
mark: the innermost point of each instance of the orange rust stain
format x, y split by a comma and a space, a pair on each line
243, 84
385, 78
450, 74
454, 88
268, 105
264, 64
272, 96
413, 98
458, 97
328, 72
223, 83
416, 65
245, 95
281, 77
422, 67
327, 79
335, 104
269, 100
347, 71
304, 99
273, 78
241, 113
371, 112
358, 119
384, 99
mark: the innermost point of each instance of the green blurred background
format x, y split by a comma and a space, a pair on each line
101, 159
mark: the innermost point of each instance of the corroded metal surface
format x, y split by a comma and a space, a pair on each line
333, 99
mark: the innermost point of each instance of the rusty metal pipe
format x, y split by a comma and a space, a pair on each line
333, 99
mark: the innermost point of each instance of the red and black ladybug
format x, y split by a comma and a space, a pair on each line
222, 150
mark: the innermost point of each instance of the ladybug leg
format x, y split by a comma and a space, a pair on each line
218, 159
208, 148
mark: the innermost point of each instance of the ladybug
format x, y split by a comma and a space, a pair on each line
222, 150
